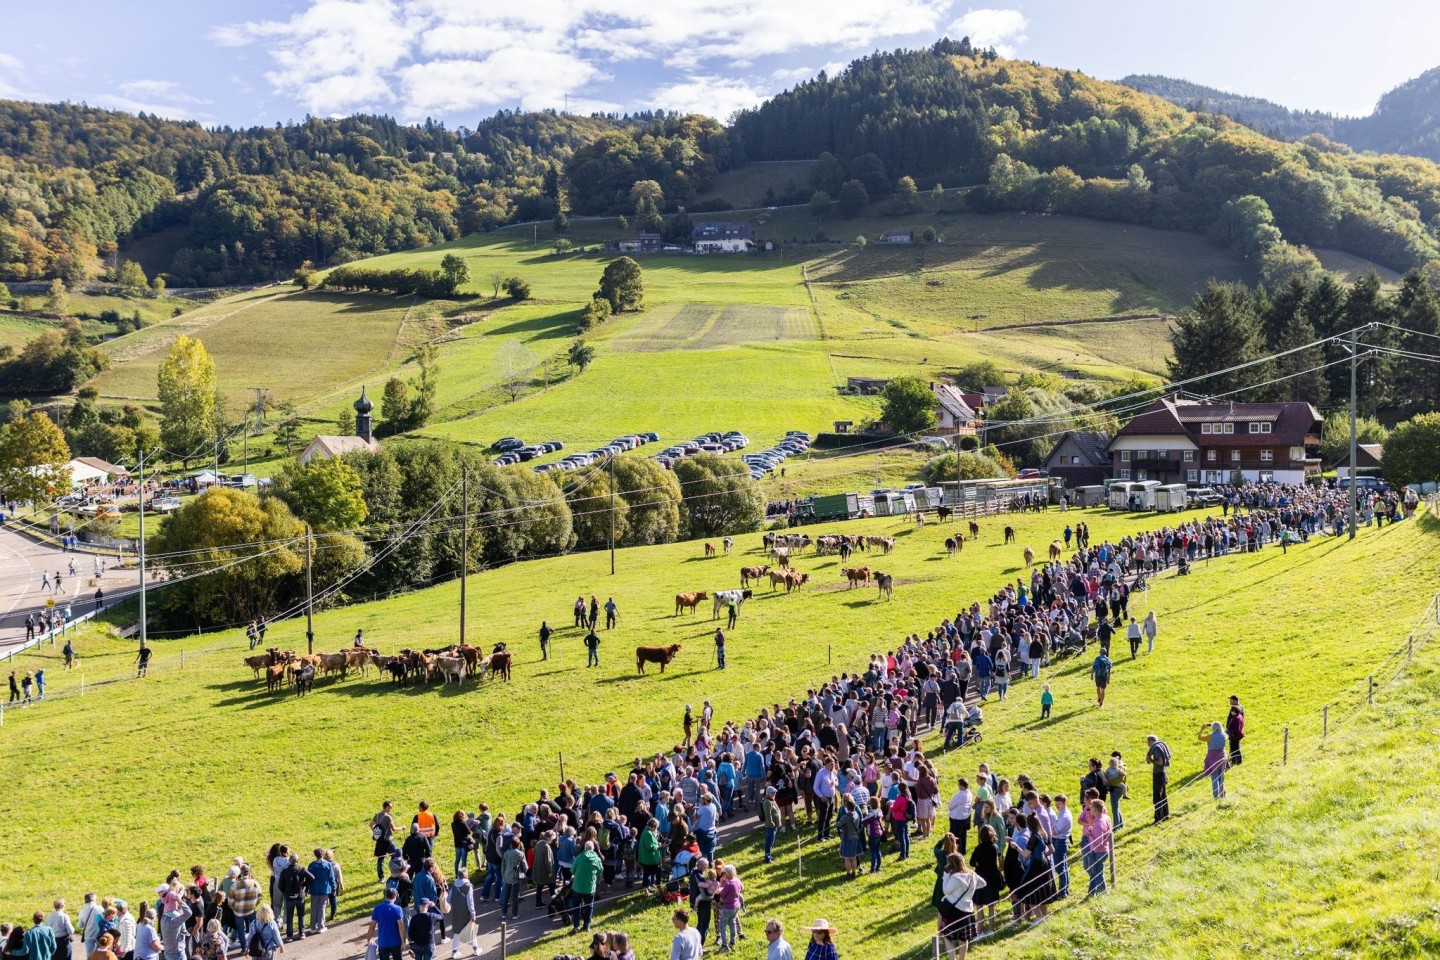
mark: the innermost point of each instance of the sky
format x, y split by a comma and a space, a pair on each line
249, 62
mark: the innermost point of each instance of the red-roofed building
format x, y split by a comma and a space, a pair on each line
1180, 441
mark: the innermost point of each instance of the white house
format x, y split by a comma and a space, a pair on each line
715, 236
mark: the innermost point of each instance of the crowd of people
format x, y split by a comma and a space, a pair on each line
843, 764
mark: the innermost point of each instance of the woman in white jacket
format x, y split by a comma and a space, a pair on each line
957, 905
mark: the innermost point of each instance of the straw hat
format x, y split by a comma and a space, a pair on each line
821, 924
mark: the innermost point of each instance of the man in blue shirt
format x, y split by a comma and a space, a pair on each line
984, 667
387, 927
322, 884
754, 774
707, 816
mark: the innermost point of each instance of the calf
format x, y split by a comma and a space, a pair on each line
1055, 549
305, 680
942, 514
886, 583
689, 601
450, 667
258, 663
729, 544
974, 530
274, 677
710, 549
660, 655
857, 575
794, 580
1009, 534
1029, 558
954, 545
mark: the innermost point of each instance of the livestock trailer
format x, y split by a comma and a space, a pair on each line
1170, 498
1092, 496
835, 506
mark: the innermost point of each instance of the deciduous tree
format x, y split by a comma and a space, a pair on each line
514, 367
622, 285
908, 405
34, 459
719, 496
186, 387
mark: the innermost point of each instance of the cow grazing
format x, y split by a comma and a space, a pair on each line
258, 663
274, 677
1009, 534
723, 598
857, 575
942, 514
753, 573
886, 583
1055, 549
953, 545
781, 555
709, 549
660, 655
448, 667
729, 544
974, 530
689, 601
305, 680
1029, 558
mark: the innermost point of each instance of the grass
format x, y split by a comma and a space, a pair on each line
1285, 643
745, 186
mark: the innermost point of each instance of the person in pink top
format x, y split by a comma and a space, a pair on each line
1096, 836
727, 899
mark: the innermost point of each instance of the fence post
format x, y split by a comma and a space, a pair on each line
1410, 652
82, 684
1370, 697
182, 659
1285, 754
829, 654
1112, 859
504, 944
1325, 723
799, 857
561, 755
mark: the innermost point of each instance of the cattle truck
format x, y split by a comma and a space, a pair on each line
835, 506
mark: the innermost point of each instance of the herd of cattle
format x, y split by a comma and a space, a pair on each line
455, 662
458, 661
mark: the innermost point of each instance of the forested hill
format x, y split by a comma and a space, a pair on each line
1406, 120
1059, 141
75, 180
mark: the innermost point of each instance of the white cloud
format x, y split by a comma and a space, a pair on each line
988, 27
716, 97
11, 65
420, 57
164, 98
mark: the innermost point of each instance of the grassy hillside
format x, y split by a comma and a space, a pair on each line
1287, 645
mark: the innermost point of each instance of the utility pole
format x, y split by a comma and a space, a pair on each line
1354, 361
309, 593
245, 451
612, 514
464, 540
140, 467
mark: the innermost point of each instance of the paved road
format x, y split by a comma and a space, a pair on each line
22, 563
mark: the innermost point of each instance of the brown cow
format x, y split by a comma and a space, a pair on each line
471, 654
357, 658
794, 580
974, 530
331, 662
1055, 549
258, 663
1029, 558
778, 577
500, 663
274, 677
954, 545
886, 583
752, 573
709, 549
660, 655
689, 600
857, 575
449, 667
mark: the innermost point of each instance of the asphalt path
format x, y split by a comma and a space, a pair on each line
25, 563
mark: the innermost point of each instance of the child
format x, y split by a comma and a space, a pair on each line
1047, 700
170, 896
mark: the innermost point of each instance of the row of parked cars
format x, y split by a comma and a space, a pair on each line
765, 462
714, 442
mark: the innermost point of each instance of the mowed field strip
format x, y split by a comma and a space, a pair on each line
1277, 629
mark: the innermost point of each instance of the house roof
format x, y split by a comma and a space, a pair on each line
1094, 447
722, 230
327, 446
973, 400
953, 402
95, 463
1369, 455
1291, 422
897, 233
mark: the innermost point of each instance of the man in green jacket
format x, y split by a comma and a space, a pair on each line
40, 940
770, 817
582, 886
648, 854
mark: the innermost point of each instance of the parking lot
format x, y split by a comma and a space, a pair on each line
511, 451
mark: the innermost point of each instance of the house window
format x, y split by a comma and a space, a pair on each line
1075, 461
1267, 456
1235, 456
1211, 456
1254, 427
1189, 456
1124, 473
1125, 457
1229, 428
1205, 428
1297, 454
1140, 475
1192, 475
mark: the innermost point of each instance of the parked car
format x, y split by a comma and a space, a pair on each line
163, 504
1029, 473
1205, 497
506, 444
652, 436
798, 433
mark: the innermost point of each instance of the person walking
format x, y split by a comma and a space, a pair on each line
1047, 700
382, 829
142, 660
545, 633
1158, 756
734, 607
1100, 673
592, 648
719, 649
612, 612
1151, 628
1213, 736
1235, 729
461, 903
957, 905
387, 927
1133, 634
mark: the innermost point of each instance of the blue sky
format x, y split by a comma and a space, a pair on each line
258, 61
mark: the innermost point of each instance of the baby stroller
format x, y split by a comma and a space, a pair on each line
972, 733
1184, 570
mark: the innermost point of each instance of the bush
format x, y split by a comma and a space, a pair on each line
517, 288
424, 283
973, 466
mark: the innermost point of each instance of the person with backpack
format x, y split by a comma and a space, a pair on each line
294, 885
382, 826
1100, 673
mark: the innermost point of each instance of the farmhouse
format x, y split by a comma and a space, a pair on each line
714, 236
865, 386
1181, 441
954, 414
1081, 458
645, 243
898, 236
87, 470
1367, 461
326, 447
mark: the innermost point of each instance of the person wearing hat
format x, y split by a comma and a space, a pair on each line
822, 941
1235, 729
